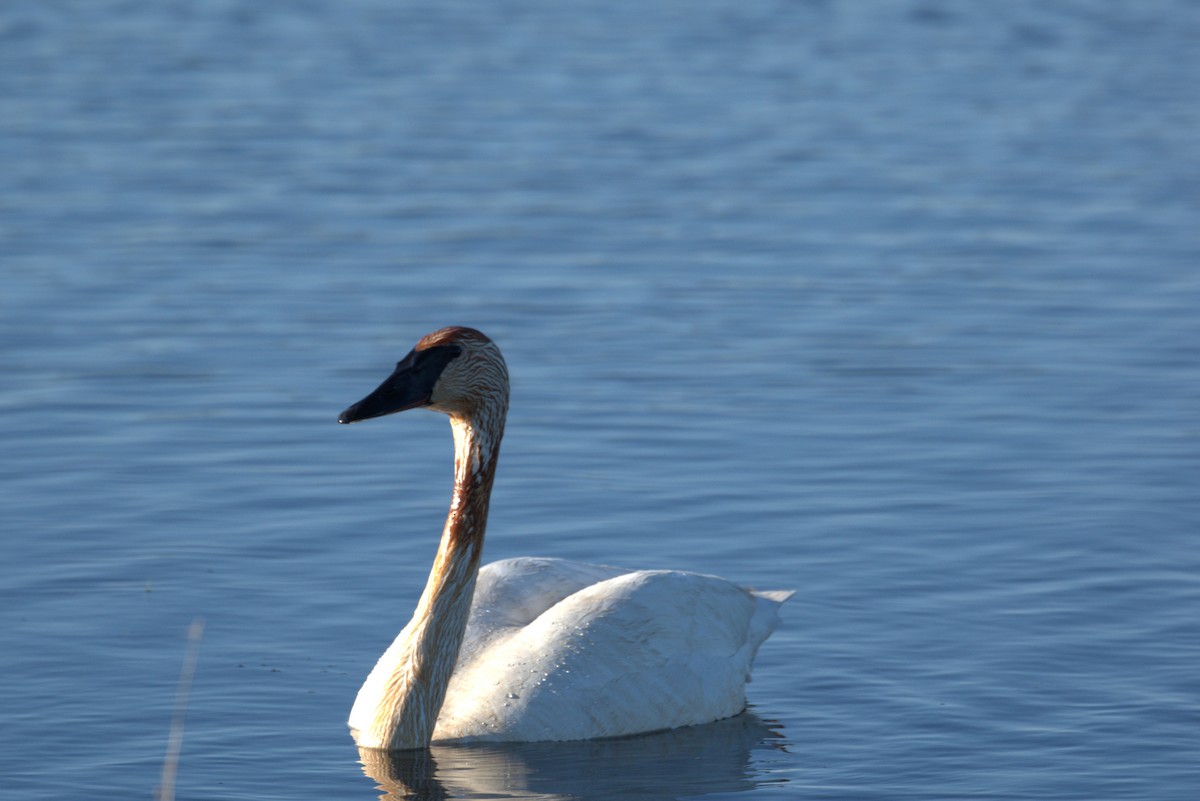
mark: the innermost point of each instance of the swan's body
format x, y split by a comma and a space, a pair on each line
541, 649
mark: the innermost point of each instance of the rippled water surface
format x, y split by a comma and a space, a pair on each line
894, 304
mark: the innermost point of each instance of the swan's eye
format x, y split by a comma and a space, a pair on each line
431, 359
410, 362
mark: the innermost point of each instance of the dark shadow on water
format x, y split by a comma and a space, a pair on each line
692, 762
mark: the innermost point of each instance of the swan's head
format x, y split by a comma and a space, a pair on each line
457, 371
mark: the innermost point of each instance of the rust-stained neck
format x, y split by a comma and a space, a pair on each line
475, 454
397, 707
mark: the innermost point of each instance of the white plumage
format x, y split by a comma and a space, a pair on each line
540, 649
558, 650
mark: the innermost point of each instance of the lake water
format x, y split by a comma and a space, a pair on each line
894, 304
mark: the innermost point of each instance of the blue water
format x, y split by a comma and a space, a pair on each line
894, 304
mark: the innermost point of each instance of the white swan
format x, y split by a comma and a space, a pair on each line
540, 649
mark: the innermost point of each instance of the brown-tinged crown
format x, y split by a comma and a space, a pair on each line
451, 335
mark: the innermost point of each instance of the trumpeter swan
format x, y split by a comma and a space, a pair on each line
540, 649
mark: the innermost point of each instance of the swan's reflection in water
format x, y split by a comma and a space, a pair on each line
685, 762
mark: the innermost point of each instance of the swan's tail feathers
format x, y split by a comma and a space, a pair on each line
778, 596
764, 621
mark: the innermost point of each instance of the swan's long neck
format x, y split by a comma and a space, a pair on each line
398, 705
